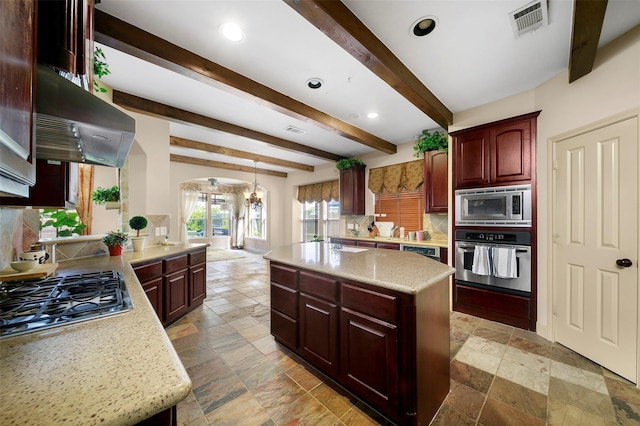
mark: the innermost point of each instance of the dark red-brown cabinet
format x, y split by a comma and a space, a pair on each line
498, 153
389, 348
352, 190
18, 20
436, 182
174, 285
176, 288
57, 187
319, 321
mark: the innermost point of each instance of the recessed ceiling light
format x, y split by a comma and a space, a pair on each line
314, 83
372, 115
232, 31
423, 26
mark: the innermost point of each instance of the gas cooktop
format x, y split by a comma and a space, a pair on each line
34, 305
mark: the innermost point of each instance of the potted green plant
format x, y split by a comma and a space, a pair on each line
347, 163
138, 223
430, 141
114, 240
110, 197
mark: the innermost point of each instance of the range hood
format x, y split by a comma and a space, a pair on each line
75, 126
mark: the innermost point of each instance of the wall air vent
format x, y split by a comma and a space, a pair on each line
295, 130
529, 17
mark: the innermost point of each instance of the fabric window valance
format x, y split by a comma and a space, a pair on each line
397, 177
318, 192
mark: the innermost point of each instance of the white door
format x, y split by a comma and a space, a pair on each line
595, 223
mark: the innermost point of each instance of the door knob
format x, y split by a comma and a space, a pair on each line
625, 263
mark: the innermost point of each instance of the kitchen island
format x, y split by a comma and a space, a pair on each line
375, 321
119, 369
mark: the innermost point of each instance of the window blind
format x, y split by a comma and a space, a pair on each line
404, 209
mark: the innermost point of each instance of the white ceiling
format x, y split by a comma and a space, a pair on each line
470, 59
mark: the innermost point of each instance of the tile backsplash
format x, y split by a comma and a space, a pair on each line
10, 235
436, 224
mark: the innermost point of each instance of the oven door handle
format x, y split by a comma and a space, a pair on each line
473, 248
466, 247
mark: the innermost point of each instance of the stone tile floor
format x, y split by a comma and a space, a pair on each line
500, 375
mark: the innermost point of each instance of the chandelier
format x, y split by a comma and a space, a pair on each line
254, 199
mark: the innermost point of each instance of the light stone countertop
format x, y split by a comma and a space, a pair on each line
119, 369
397, 270
442, 243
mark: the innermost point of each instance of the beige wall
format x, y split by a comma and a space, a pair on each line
611, 88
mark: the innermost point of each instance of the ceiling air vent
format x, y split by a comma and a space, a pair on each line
529, 17
294, 129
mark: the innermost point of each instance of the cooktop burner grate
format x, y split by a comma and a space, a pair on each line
32, 305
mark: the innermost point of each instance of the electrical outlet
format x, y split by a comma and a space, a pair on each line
349, 225
158, 232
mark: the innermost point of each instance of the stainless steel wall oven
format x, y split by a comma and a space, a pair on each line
497, 260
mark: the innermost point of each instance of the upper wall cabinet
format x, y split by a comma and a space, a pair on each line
57, 187
65, 31
436, 182
497, 153
17, 68
352, 191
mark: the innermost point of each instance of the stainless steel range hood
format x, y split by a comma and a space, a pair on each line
74, 125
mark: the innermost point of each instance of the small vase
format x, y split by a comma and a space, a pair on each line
138, 243
115, 250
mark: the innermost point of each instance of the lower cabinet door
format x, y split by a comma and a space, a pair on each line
369, 359
176, 295
319, 333
153, 290
197, 284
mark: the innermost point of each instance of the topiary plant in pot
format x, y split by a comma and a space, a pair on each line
430, 141
114, 240
138, 223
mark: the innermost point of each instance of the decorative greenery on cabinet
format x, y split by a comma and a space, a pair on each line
431, 141
347, 163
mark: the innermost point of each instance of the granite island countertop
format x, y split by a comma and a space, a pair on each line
119, 369
397, 270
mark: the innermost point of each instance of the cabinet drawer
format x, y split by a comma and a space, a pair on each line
199, 257
369, 302
284, 329
175, 264
148, 272
284, 300
285, 276
319, 285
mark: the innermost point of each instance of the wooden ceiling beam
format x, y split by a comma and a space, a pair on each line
207, 147
156, 109
221, 165
134, 41
588, 17
338, 23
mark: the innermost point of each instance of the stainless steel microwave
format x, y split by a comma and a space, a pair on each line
496, 206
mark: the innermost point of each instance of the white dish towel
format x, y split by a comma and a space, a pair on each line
504, 262
481, 260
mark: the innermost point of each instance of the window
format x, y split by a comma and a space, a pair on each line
404, 209
219, 216
197, 225
320, 219
256, 222
210, 218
